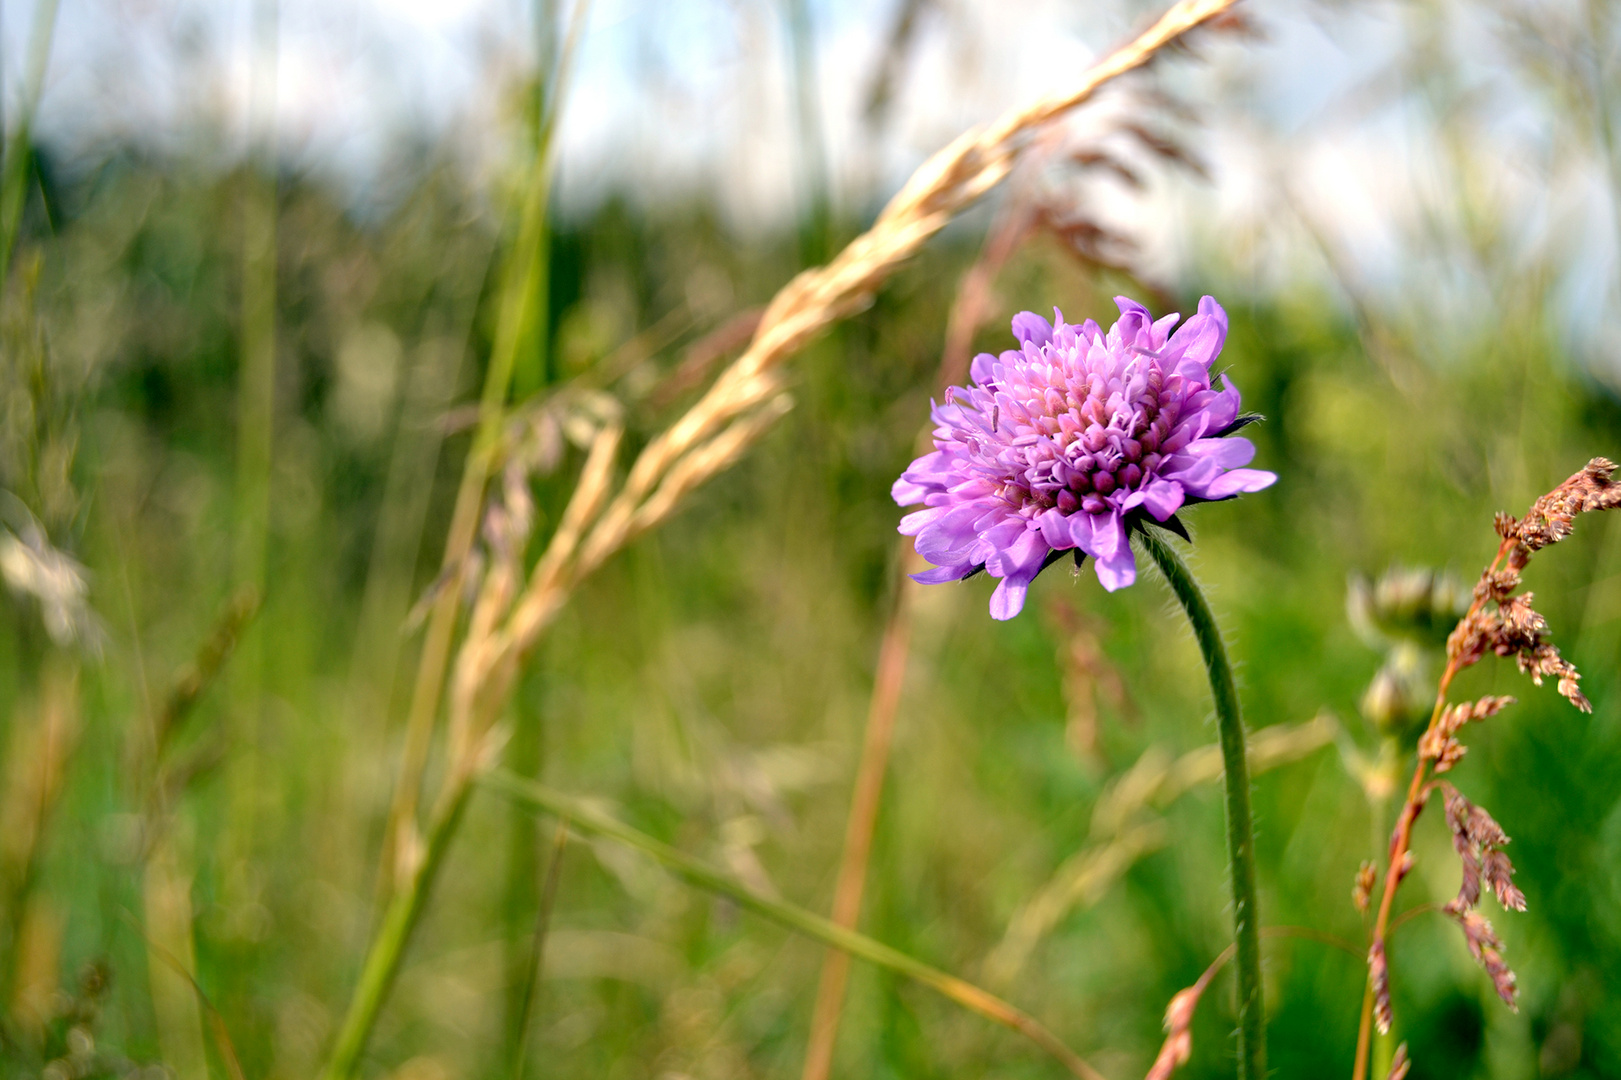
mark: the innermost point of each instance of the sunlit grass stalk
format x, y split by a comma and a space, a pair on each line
409, 865
167, 913
522, 291
525, 755
19, 149
1240, 829
699, 873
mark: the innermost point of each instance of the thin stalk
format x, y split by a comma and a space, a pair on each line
521, 293
968, 311
696, 872
388, 945
524, 754
256, 421
1240, 830
14, 181
864, 803
537, 943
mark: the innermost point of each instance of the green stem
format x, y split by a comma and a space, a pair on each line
388, 944
19, 152
583, 817
1240, 830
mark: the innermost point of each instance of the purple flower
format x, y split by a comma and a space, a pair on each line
1068, 441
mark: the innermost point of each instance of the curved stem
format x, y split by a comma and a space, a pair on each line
1240, 830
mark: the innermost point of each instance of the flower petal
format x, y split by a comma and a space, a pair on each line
1162, 498
1017, 566
1201, 338
907, 493
1233, 483
917, 520
1118, 570
1030, 328
1008, 599
1055, 529
1230, 453
1107, 537
939, 575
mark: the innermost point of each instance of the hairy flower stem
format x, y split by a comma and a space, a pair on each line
388, 943
1240, 830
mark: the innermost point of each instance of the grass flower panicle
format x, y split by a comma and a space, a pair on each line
1067, 442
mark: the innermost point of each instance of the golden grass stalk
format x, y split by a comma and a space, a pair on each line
172, 957
41, 747
256, 415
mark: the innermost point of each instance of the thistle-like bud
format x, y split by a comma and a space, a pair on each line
1395, 701
1416, 605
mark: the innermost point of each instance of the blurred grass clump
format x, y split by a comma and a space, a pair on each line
197, 775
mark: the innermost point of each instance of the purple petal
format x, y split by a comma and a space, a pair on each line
1055, 530
1224, 409
1032, 329
906, 493
1162, 498
1201, 338
917, 520
1194, 474
1162, 327
980, 370
1118, 570
1017, 567
1108, 536
1081, 529
1229, 453
1008, 599
939, 575
1128, 306
1023, 554
1240, 480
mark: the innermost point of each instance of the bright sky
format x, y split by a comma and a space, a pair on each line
1307, 121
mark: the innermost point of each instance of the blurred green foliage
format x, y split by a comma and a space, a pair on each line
711, 683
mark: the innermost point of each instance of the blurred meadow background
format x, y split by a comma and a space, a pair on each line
256, 263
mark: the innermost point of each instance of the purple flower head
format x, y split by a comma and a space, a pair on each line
1068, 441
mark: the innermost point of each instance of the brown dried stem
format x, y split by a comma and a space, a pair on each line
1510, 628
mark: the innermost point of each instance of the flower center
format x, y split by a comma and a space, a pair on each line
1072, 442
